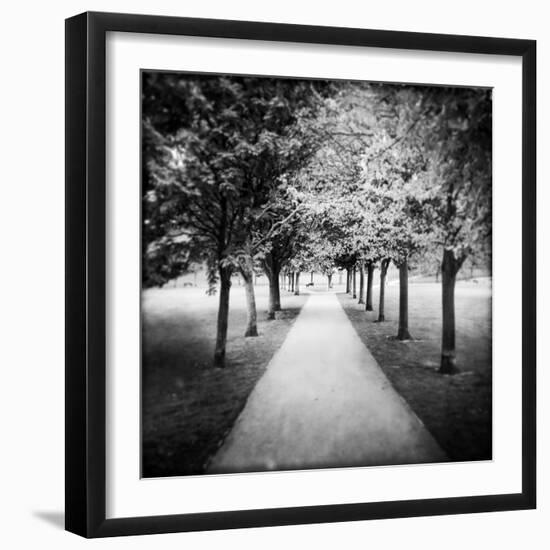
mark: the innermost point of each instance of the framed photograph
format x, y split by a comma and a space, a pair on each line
300, 280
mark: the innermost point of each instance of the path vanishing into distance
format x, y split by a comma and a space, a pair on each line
324, 402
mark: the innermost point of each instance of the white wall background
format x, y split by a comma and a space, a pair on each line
32, 272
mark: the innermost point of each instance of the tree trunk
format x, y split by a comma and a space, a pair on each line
274, 293
354, 283
437, 273
383, 271
370, 277
292, 282
311, 281
297, 285
361, 283
347, 281
252, 316
223, 314
449, 269
329, 281
403, 330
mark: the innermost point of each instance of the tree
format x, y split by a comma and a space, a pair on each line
297, 290
375, 239
246, 268
261, 231
370, 276
448, 132
394, 167
359, 219
361, 283
384, 264
225, 142
166, 251
302, 260
279, 251
459, 135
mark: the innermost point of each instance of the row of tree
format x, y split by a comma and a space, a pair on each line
284, 175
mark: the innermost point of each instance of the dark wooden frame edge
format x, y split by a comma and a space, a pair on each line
85, 489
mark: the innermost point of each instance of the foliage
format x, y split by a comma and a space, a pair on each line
215, 151
243, 172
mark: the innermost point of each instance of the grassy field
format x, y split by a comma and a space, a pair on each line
456, 409
187, 406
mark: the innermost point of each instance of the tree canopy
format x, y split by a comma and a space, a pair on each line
247, 173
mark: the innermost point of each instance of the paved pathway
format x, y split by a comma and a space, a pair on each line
324, 402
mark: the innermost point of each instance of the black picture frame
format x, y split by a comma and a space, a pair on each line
86, 263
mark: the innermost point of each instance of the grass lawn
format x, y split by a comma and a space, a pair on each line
188, 406
456, 409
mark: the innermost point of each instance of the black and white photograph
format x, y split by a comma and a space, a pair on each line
274, 275
316, 274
